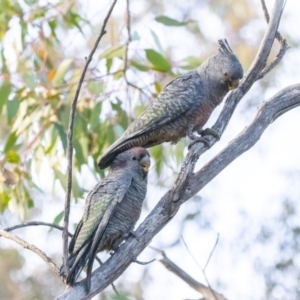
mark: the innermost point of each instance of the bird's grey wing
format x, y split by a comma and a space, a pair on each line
95, 201
74, 237
116, 196
100, 204
179, 97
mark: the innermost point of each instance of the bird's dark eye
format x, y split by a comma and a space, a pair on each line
133, 158
226, 74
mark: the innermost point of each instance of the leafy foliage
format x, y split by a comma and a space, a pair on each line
37, 90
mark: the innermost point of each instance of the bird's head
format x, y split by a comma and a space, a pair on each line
226, 66
136, 159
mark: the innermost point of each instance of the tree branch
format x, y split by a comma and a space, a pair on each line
232, 100
206, 291
70, 144
269, 111
31, 247
212, 292
36, 223
188, 183
283, 45
111, 269
128, 26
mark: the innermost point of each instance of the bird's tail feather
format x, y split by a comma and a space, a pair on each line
76, 262
116, 148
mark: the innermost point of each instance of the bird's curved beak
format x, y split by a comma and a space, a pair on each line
145, 163
233, 84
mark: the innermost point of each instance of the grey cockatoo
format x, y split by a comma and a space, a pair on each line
183, 107
111, 211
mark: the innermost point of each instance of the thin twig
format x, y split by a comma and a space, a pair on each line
69, 84
70, 143
128, 26
283, 46
196, 285
36, 223
278, 36
31, 247
203, 271
211, 252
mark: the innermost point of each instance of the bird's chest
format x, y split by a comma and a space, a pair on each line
125, 216
199, 116
129, 209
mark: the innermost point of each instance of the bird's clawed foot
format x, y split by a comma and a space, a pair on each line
199, 139
210, 131
143, 263
202, 139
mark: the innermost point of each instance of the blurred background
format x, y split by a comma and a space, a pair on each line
253, 205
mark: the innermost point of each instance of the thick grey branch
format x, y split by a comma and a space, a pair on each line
31, 247
232, 100
269, 111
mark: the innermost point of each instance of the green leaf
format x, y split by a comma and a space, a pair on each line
62, 178
62, 70
95, 116
30, 203
53, 24
10, 142
157, 154
117, 51
122, 296
158, 61
157, 42
122, 117
58, 218
76, 189
54, 134
73, 18
30, 2
192, 62
80, 159
109, 62
29, 79
4, 94
169, 21
13, 157
62, 134
139, 66
12, 109
4, 200
95, 87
